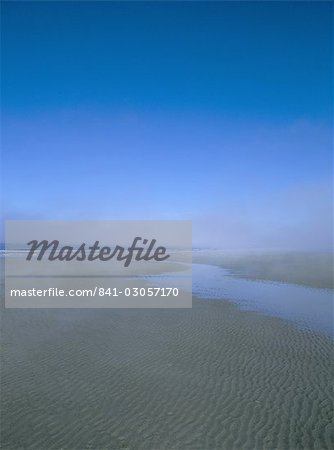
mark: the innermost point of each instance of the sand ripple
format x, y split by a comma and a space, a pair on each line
213, 377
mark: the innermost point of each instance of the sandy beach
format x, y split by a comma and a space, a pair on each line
212, 377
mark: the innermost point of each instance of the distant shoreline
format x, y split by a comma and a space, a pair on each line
314, 269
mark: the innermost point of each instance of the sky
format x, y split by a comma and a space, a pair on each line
218, 112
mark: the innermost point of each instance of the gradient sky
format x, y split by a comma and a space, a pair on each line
216, 112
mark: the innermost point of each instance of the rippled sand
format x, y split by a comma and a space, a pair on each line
213, 377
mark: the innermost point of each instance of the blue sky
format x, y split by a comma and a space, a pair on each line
216, 112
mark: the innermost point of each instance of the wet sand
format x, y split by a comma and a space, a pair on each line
212, 377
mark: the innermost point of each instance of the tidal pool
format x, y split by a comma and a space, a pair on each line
307, 307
